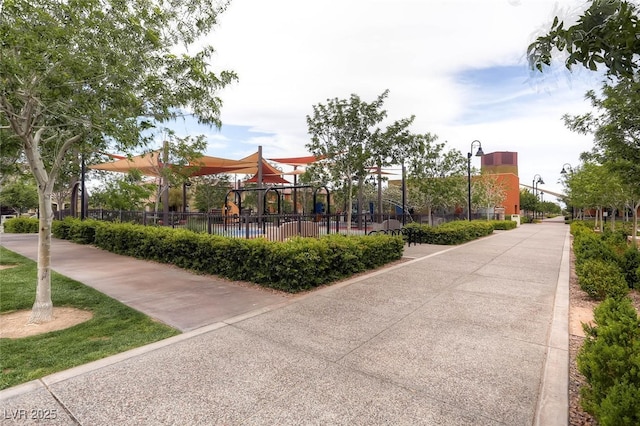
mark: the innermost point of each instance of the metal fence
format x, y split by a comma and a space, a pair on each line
271, 226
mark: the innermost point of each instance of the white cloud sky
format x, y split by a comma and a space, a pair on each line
459, 66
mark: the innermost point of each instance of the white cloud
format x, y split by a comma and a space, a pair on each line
432, 55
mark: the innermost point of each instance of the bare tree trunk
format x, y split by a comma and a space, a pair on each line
634, 231
349, 205
361, 209
42, 310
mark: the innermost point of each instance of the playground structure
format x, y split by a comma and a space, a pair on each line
274, 224
270, 214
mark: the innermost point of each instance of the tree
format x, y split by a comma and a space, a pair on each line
550, 207
346, 133
175, 167
606, 34
435, 176
90, 73
127, 193
593, 186
11, 153
488, 191
528, 201
615, 125
21, 196
210, 191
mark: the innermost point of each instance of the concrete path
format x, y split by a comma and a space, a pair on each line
176, 297
468, 335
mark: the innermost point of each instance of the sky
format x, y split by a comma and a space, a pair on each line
459, 66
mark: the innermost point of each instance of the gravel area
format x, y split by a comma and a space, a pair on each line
579, 303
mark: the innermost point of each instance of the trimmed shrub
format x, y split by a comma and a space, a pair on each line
578, 226
294, 265
601, 279
83, 231
588, 245
503, 225
60, 228
630, 265
21, 225
450, 233
615, 239
610, 362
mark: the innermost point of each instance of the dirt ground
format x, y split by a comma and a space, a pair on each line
14, 325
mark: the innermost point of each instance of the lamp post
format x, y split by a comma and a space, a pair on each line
563, 172
404, 194
185, 185
534, 185
479, 153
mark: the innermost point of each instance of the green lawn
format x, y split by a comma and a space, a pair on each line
114, 327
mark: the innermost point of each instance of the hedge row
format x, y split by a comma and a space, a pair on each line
610, 361
21, 225
450, 233
606, 265
503, 225
292, 266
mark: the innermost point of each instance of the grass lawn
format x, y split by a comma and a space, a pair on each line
114, 327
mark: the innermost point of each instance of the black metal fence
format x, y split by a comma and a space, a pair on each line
271, 226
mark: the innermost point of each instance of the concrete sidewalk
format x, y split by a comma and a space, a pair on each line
474, 334
176, 297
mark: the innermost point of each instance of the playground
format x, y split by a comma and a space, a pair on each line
263, 204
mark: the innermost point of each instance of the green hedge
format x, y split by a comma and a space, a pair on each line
610, 248
587, 245
294, 265
601, 279
450, 233
503, 225
21, 225
610, 362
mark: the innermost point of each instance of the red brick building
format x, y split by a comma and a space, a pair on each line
504, 164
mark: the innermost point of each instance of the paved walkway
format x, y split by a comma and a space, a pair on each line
475, 334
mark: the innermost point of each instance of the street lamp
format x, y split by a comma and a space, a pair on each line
479, 153
534, 185
564, 173
185, 185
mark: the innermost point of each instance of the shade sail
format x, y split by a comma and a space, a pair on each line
207, 165
148, 164
269, 179
299, 161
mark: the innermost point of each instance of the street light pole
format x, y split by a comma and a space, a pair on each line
534, 185
479, 153
564, 172
185, 185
